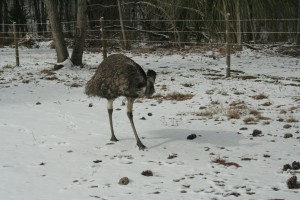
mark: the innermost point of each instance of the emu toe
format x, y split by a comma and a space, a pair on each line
114, 139
141, 146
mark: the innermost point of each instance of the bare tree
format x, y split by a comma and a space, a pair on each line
298, 25
238, 24
37, 15
79, 38
5, 18
59, 42
18, 15
228, 39
1, 15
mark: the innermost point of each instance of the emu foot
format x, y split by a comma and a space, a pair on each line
141, 146
114, 139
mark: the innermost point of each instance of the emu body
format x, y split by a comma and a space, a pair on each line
117, 76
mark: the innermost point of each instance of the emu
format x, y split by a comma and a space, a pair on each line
117, 76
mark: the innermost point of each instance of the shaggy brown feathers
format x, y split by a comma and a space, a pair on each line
117, 76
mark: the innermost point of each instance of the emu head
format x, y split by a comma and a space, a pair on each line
151, 76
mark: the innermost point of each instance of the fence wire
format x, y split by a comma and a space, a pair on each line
139, 35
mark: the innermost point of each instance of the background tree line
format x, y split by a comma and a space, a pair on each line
175, 22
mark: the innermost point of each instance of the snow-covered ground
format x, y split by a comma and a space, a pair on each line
54, 140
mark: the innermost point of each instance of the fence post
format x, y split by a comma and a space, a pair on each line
228, 45
16, 44
103, 38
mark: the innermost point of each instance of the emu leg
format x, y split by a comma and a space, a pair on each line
130, 116
110, 111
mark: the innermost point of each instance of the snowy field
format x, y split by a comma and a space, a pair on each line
54, 140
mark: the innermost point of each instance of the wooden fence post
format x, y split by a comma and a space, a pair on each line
16, 44
103, 38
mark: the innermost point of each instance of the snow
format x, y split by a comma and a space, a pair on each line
54, 140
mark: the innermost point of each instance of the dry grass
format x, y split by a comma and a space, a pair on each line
48, 72
216, 102
238, 104
236, 110
247, 159
255, 112
296, 98
258, 115
234, 114
165, 72
205, 113
187, 84
247, 77
209, 111
174, 96
8, 66
292, 120
225, 163
282, 111
210, 92
260, 96
293, 108
223, 93
51, 78
267, 104
250, 120
76, 85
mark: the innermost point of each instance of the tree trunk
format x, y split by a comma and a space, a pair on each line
18, 16
238, 25
252, 27
67, 18
79, 39
228, 39
1, 17
125, 42
298, 26
43, 17
37, 14
59, 42
5, 18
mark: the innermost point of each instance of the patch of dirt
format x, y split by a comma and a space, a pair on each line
247, 77
48, 72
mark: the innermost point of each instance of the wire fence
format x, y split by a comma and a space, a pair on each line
166, 33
